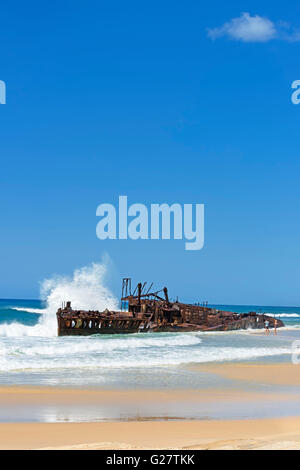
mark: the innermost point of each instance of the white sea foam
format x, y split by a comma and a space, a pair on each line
284, 315
38, 311
109, 344
130, 352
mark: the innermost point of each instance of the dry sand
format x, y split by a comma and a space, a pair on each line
247, 434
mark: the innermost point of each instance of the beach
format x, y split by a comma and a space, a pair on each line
146, 419
228, 390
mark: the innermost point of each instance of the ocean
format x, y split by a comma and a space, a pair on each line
31, 352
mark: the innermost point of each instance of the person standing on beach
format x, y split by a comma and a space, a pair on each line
275, 327
267, 323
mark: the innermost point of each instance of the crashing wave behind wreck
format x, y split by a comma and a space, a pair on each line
143, 310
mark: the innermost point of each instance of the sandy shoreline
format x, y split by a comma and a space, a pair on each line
162, 430
247, 434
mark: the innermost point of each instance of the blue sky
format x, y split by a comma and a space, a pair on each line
142, 99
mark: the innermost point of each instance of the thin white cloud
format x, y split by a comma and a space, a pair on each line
255, 28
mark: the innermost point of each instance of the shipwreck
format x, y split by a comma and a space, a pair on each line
146, 310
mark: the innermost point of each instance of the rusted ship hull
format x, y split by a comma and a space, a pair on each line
151, 312
95, 331
235, 323
82, 323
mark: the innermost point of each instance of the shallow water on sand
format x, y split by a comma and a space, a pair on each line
172, 410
